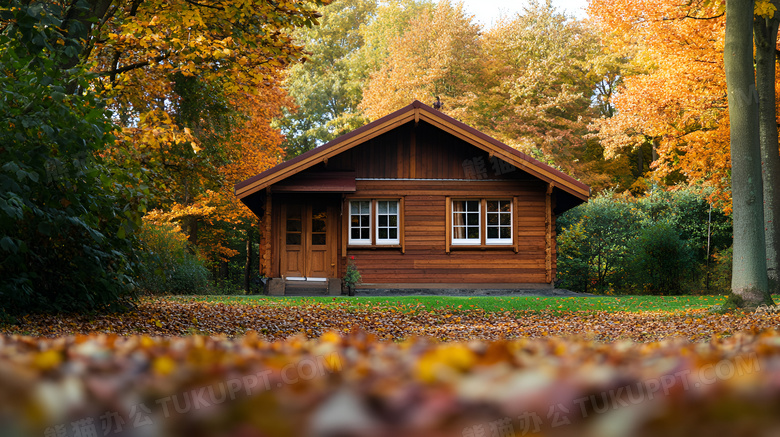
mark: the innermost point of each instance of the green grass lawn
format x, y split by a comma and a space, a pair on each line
486, 303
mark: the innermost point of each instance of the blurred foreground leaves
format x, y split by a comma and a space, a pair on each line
356, 385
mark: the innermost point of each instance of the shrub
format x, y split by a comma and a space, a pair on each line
659, 261
655, 244
166, 263
592, 256
720, 281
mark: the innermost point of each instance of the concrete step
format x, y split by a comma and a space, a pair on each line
295, 287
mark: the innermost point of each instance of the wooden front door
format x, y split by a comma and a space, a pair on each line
308, 241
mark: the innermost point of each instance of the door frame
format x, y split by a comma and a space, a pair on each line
332, 237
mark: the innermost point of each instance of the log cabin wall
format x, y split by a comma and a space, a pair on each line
425, 259
426, 166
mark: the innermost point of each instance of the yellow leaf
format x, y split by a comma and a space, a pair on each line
163, 365
48, 360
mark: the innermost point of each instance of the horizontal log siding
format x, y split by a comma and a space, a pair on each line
425, 260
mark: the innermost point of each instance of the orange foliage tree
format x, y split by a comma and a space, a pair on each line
438, 55
677, 105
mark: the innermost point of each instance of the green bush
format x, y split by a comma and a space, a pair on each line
720, 280
659, 261
66, 214
656, 244
166, 263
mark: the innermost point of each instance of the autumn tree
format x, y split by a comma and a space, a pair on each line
542, 73
170, 68
438, 55
672, 99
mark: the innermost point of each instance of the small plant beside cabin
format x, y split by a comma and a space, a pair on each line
351, 277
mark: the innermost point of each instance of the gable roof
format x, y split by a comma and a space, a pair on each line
414, 112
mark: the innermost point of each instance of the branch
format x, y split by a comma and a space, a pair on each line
126, 68
194, 3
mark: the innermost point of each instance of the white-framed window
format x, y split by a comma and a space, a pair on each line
387, 222
499, 222
477, 222
360, 222
375, 222
466, 222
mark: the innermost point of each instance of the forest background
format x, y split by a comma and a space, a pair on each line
166, 117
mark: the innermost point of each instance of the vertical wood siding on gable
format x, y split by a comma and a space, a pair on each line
422, 152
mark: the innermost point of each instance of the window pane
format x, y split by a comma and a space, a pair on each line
394, 220
393, 233
383, 233
506, 219
459, 232
492, 219
506, 206
393, 207
382, 206
473, 219
355, 234
354, 207
355, 221
492, 206
293, 225
364, 235
365, 221
492, 232
318, 239
382, 220
458, 206
294, 239
472, 205
473, 232
506, 233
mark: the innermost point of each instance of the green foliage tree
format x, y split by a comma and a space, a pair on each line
328, 86
66, 214
656, 244
350, 43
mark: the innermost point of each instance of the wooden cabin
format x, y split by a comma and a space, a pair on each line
416, 200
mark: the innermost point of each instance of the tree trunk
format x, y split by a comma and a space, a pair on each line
191, 229
248, 265
766, 40
749, 281
224, 271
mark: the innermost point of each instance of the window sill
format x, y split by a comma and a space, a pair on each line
376, 246
454, 247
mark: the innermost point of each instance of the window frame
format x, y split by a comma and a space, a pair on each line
374, 241
387, 241
483, 242
466, 241
500, 241
359, 241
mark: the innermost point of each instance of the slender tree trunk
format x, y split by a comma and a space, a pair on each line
749, 281
224, 271
191, 229
640, 162
765, 30
248, 265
